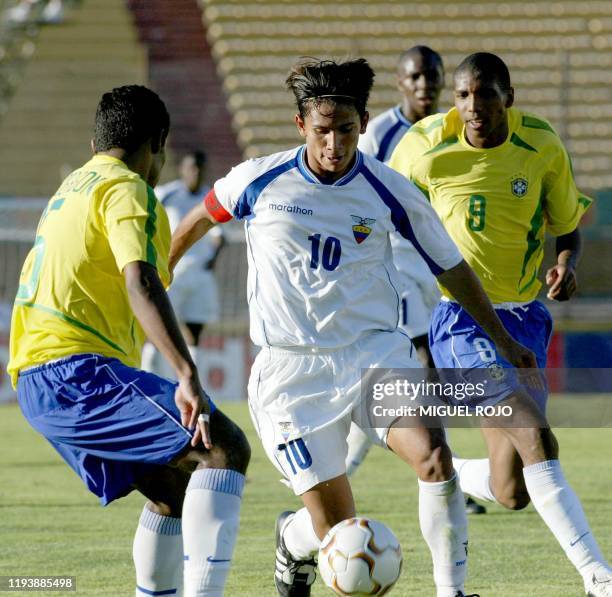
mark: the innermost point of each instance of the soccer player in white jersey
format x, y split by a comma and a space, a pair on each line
323, 306
193, 291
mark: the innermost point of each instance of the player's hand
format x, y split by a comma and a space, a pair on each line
194, 406
516, 354
562, 282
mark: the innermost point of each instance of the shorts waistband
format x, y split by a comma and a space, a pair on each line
505, 306
301, 350
59, 361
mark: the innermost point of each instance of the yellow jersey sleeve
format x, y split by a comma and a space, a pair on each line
132, 217
564, 205
405, 158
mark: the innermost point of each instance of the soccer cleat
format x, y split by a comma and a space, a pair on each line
599, 586
462, 594
473, 507
293, 578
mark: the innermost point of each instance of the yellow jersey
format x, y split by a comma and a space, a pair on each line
72, 296
495, 203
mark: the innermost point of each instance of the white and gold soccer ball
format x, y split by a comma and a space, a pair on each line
360, 556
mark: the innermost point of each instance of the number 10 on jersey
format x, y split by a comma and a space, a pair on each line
329, 257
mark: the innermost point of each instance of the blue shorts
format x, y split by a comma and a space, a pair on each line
111, 423
457, 341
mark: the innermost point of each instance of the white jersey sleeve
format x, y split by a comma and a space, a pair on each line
239, 189
383, 133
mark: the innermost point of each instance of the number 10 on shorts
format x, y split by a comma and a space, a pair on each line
297, 455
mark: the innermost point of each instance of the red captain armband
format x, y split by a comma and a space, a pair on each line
215, 209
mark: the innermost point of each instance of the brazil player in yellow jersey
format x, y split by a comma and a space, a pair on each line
90, 289
498, 179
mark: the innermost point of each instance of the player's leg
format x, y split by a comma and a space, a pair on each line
442, 513
203, 488
422, 444
158, 543
498, 478
313, 465
359, 445
211, 508
303, 434
299, 534
551, 494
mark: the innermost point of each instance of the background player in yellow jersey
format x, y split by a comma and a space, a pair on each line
498, 178
90, 289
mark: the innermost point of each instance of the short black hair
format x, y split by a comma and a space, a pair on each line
484, 65
425, 51
313, 81
128, 116
198, 155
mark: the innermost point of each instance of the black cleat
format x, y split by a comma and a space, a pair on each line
473, 507
293, 578
462, 594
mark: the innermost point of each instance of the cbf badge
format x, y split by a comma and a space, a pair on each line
519, 186
362, 228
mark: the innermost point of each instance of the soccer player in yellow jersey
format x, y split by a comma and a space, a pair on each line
90, 289
498, 179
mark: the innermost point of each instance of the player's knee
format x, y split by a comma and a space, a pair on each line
517, 500
169, 505
540, 443
237, 451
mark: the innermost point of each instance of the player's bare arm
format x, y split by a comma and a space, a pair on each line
561, 278
153, 310
465, 287
190, 230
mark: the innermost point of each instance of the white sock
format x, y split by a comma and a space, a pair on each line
475, 477
211, 515
300, 537
444, 527
562, 512
359, 445
158, 555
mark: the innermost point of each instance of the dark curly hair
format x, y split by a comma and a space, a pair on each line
313, 81
128, 116
487, 66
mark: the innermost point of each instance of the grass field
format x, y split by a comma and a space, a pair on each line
49, 523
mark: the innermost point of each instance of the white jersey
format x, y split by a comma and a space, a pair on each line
178, 201
383, 133
321, 273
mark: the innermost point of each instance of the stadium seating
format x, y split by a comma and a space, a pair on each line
72, 63
556, 52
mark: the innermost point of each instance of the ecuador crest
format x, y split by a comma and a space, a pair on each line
362, 228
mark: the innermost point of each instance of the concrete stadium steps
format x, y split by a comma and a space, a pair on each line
182, 70
49, 122
558, 54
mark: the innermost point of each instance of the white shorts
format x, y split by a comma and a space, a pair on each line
194, 297
418, 300
302, 403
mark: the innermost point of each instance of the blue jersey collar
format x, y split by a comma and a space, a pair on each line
310, 177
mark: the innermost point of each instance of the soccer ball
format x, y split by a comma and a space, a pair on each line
360, 556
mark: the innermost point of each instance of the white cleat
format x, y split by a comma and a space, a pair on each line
600, 585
